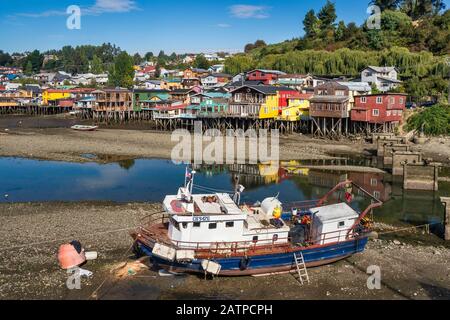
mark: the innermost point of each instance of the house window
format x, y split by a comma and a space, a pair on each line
363, 100
401, 100
379, 100
392, 100
197, 224
376, 113
212, 226
373, 182
389, 113
229, 224
340, 93
185, 225
377, 195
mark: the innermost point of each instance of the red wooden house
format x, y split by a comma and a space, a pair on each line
379, 108
268, 77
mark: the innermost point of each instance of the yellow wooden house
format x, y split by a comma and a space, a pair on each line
54, 94
298, 107
270, 109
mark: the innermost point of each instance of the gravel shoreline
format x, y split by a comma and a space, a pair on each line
411, 270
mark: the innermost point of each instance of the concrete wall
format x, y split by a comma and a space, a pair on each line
376, 136
382, 141
420, 177
398, 158
390, 149
446, 203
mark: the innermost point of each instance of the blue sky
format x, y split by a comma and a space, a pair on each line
151, 25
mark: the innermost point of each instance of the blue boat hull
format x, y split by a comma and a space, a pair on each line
268, 263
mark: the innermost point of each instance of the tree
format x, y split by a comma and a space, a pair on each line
311, 24
340, 31
149, 56
122, 72
158, 71
418, 9
29, 68
96, 65
327, 16
173, 56
5, 58
386, 4
137, 59
36, 59
201, 62
260, 44
249, 47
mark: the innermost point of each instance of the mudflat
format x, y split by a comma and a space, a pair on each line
63, 144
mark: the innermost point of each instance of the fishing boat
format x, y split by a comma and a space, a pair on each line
214, 234
84, 128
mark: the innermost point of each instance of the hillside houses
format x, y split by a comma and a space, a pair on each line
383, 78
321, 106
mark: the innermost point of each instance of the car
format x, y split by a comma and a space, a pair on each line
427, 104
411, 105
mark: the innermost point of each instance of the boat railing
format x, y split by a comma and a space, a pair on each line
268, 245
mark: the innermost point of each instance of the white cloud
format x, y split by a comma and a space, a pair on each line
244, 11
224, 25
98, 8
111, 6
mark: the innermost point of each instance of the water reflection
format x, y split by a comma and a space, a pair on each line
150, 180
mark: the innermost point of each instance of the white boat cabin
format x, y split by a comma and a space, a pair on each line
333, 223
206, 219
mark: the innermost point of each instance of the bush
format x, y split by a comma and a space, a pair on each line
435, 120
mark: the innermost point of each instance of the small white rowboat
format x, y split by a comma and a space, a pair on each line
84, 128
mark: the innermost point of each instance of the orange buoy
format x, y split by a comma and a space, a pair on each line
69, 257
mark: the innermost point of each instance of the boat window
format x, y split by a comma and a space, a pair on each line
175, 223
213, 226
197, 224
255, 239
230, 224
341, 224
185, 225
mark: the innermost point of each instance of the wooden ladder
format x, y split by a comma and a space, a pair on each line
303, 276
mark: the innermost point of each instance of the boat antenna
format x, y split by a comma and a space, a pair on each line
193, 172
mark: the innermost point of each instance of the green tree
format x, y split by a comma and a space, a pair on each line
149, 56
36, 59
386, 4
201, 62
327, 16
5, 58
96, 65
340, 31
311, 24
137, 59
29, 68
122, 72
